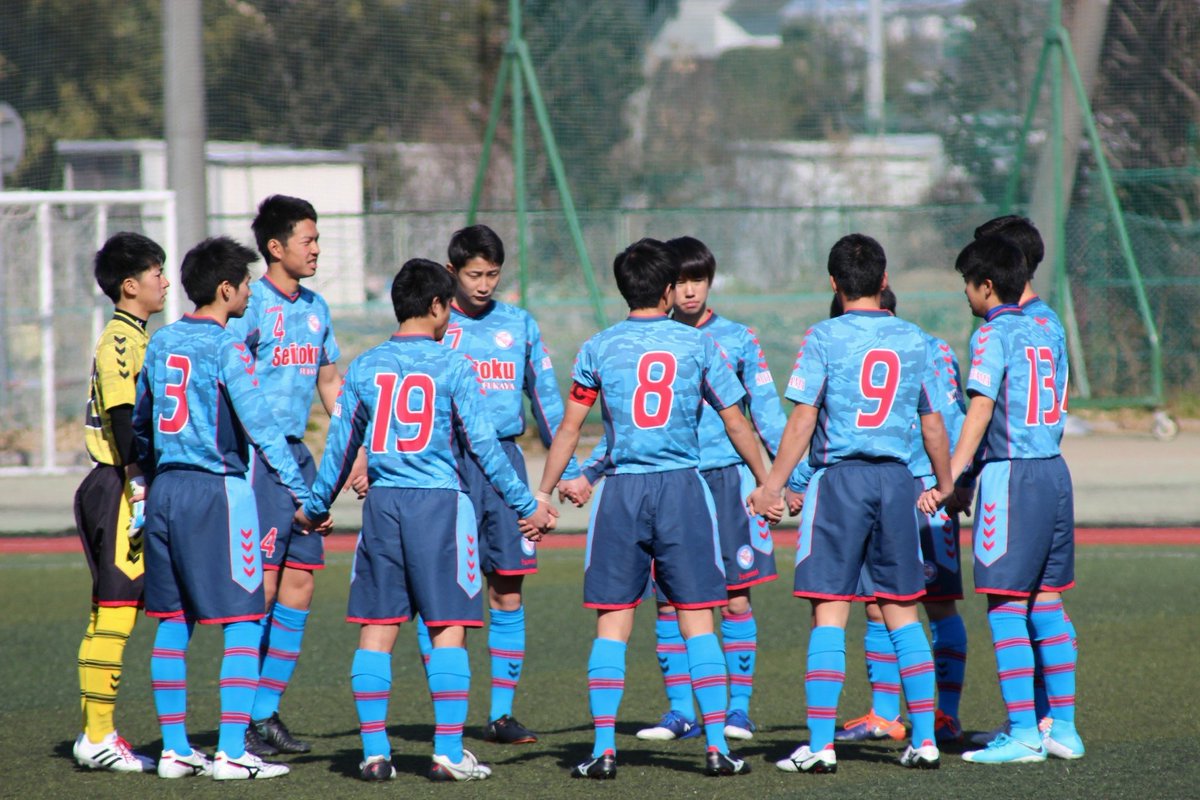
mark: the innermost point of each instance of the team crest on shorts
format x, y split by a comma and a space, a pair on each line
314, 323
931, 571
503, 339
745, 557
528, 547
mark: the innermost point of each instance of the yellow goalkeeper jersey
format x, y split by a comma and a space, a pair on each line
115, 367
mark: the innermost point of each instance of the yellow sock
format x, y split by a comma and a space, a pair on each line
102, 669
84, 649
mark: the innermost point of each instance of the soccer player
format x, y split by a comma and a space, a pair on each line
418, 552
747, 546
199, 410
859, 382
1024, 536
109, 501
288, 331
504, 344
653, 508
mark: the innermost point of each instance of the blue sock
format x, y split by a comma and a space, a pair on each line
449, 685
506, 644
823, 682
424, 643
882, 671
283, 636
915, 660
950, 657
168, 678
1014, 665
706, 664
371, 682
606, 684
672, 660
1056, 645
239, 683
739, 639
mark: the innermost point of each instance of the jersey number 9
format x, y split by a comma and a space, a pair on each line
880, 388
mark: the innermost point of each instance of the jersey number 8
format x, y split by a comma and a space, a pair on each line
655, 375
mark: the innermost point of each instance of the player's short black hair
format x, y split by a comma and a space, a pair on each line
125, 255
418, 283
475, 241
276, 219
212, 262
696, 261
643, 272
857, 263
1019, 231
996, 259
887, 301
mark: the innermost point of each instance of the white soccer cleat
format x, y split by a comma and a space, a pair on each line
803, 759
924, 757
469, 769
194, 765
112, 753
245, 767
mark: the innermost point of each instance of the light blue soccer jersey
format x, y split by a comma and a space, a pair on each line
506, 348
291, 337
200, 405
867, 373
1015, 361
945, 397
654, 376
406, 400
1044, 315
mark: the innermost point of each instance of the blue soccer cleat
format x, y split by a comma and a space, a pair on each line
673, 725
1004, 749
739, 726
1061, 740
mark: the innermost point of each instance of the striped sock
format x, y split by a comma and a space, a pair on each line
1055, 643
506, 644
424, 643
915, 660
168, 679
883, 671
950, 657
710, 682
672, 660
283, 636
449, 684
239, 683
1041, 703
823, 682
85, 647
606, 684
371, 682
739, 639
102, 673
1014, 665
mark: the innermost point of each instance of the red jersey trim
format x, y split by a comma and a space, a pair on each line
748, 584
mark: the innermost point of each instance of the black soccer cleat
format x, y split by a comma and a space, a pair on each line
273, 732
507, 730
600, 768
718, 764
376, 769
255, 744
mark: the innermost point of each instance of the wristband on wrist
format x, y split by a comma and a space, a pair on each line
543, 497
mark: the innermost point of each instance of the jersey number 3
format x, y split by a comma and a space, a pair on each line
1041, 376
878, 381
177, 392
411, 403
655, 375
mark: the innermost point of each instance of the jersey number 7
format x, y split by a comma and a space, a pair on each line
398, 401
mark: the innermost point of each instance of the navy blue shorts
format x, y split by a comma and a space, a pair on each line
1024, 537
746, 542
418, 553
282, 544
662, 518
202, 552
860, 512
505, 551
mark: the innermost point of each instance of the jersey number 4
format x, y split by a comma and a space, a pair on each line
655, 375
411, 402
878, 381
178, 418
1041, 376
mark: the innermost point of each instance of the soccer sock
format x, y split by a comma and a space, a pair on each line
706, 664
239, 683
424, 643
371, 683
882, 671
950, 657
282, 638
102, 669
85, 648
168, 679
739, 639
1056, 646
1014, 665
672, 660
606, 684
915, 660
506, 645
449, 684
823, 682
